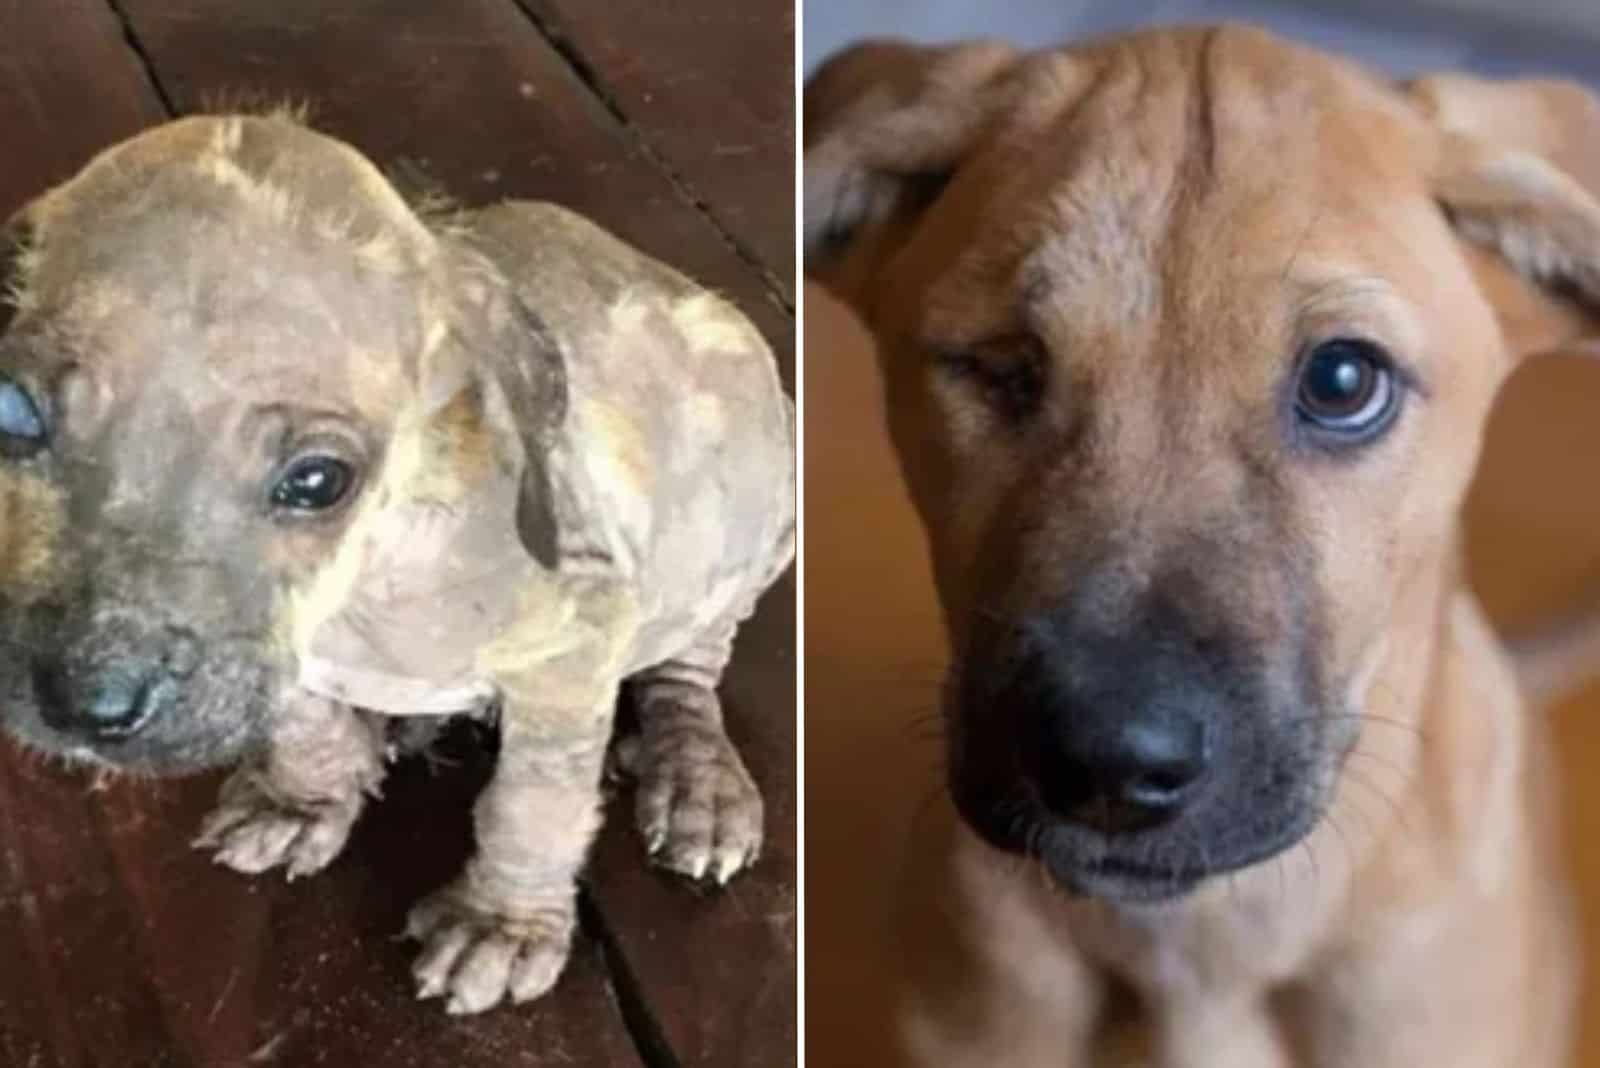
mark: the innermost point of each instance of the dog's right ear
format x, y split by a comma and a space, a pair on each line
886, 123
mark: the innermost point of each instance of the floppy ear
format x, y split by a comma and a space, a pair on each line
1517, 168
886, 123
501, 348
526, 366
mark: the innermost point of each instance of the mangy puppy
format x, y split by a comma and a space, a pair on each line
280, 451
1189, 339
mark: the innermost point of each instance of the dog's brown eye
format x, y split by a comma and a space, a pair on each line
1010, 374
313, 484
1347, 387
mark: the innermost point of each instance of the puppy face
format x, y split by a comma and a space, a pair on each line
1187, 370
218, 328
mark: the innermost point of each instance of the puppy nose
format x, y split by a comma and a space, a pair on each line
1123, 774
112, 701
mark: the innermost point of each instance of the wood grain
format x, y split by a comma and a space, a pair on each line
698, 81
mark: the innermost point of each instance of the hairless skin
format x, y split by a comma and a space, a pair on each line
283, 455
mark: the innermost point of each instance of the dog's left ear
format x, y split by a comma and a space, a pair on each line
1516, 165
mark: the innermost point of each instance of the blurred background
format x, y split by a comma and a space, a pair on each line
873, 663
1491, 36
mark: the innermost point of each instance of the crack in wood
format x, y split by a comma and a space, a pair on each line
546, 21
146, 64
649, 1038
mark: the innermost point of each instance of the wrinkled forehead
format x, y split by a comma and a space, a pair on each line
1167, 171
238, 254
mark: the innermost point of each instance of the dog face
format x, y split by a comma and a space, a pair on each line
1187, 369
235, 352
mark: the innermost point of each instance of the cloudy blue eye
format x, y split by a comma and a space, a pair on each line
21, 425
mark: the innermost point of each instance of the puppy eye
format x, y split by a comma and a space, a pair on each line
313, 484
1008, 374
21, 425
1347, 388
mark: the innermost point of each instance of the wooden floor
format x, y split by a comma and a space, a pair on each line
873, 664
671, 124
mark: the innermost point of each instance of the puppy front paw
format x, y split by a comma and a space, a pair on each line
253, 829
697, 807
477, 957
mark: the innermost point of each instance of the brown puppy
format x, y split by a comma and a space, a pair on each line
1189, 338
280, 451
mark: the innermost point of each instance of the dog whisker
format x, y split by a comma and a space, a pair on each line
1362, 717
1395, 809
1381, 762
1311, 858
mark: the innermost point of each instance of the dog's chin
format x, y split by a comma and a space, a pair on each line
1149, 868
1120, 882
153, 759
163, 750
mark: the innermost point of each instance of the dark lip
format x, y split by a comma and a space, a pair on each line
1123, 882
1105, 876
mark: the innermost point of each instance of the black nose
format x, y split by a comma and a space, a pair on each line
107, 701
1122, 772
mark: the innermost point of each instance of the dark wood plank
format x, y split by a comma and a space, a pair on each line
474, 95
710, 87
706, 957
125, 947
69, 86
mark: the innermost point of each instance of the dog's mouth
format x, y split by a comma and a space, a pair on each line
162, 714
1256, 810
1123, 881
1135, 767
196, 732
1150, 866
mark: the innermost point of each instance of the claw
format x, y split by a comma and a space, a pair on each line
478, 958
697, 808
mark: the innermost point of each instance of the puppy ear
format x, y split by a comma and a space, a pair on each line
503, 349
1517, 168
886, 124
526, 367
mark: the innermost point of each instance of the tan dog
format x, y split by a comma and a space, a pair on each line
281, 450
1189, 339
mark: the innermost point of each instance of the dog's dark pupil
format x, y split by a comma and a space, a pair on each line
1338, 383
1015, 390
312, 484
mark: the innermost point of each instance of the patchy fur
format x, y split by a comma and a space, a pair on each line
529, 505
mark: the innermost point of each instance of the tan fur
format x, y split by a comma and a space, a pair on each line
1167, 218
32, 514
